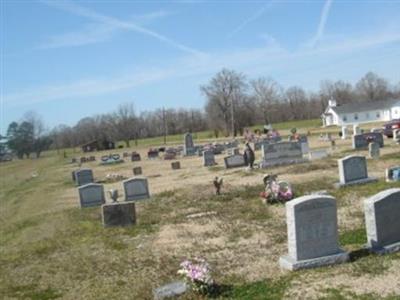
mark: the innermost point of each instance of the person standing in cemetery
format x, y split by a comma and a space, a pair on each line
249, 156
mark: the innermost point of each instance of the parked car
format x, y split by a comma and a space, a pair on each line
390, 126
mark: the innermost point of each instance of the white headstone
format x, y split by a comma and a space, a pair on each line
344, 132
356, 129
312, 233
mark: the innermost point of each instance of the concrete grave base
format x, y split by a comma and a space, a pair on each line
282, 162
118, 214
355, 182
385, 249
289, 263
170, 290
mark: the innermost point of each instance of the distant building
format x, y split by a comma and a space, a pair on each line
358, 113
98, 146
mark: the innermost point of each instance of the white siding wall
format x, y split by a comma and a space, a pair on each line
396, 112
364, 117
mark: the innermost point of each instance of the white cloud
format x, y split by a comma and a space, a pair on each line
270, 58
252, 18
114, 23
312, 43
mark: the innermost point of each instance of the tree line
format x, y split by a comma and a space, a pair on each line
232, 102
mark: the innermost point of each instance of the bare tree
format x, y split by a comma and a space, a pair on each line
266, 92
372, 87
224, 91
124, 121
341, 91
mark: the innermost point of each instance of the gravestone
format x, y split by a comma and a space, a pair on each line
376, 130
136, 188
83, 176
304, 144
118, 214
312, 233
137, 171
344, 132
91, 194
232, 151
234, 161
188, 146
173, 289
396, 136
281, 153
392, 174
73, 176
361, 141
152, 154
169, 155
208, 158
353, 170
356, 129
374, 150
317, 154
176, 165
136, 156
382, 220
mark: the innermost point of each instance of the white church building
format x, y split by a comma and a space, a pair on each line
359, 113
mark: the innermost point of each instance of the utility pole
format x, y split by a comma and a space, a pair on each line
165, 126
232, 117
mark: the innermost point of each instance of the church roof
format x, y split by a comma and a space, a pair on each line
365, 106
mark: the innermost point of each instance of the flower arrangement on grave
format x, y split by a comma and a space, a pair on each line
113, 177
276, 191
197, 274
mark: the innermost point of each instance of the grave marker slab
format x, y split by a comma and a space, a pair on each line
170, 290
118, 214
83, 176
382, 220
234, 161
317, 154
281, 153
374, 150
233, 151
137, 171
176, 165
353, 170
312, 233
136, 156
361, 141
136, 188
392, 174
91, 194
188, 146
208, 158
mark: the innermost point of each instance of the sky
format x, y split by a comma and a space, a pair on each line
67, 60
